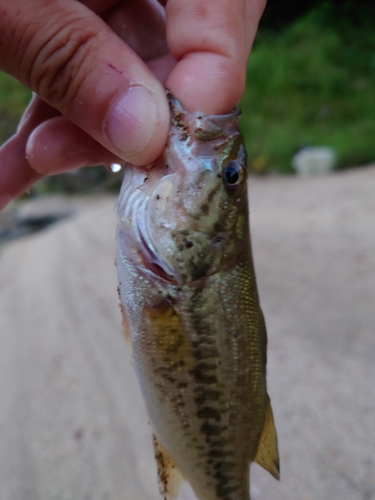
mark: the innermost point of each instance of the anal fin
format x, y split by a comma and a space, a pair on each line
170, 478
267, 454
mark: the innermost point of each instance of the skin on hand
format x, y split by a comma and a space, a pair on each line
98, 69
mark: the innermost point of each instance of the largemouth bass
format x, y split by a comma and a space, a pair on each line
191, 308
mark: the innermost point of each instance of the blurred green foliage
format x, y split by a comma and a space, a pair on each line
312, 83
14, 97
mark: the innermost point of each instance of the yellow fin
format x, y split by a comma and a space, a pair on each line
169, 476
267, 454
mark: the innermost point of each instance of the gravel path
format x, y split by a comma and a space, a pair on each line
72, 423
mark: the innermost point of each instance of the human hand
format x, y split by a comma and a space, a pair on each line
98, 70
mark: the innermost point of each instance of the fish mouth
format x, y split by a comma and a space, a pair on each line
153, 264
151, 261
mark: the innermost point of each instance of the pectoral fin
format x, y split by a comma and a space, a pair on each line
169, 476
125, 326
267, 454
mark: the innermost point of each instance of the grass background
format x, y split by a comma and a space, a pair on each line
13, 100
310, 81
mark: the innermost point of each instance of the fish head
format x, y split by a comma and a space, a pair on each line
187, 217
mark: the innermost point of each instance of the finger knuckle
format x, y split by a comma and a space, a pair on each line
57, 71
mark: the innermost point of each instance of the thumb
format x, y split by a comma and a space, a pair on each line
73, 61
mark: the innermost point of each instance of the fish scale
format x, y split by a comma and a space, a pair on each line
189, 294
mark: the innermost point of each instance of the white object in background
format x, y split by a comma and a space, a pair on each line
314, 160
115, 167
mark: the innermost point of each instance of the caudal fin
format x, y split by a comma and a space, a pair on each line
267, 454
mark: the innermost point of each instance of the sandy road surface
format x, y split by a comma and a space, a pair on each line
72, 423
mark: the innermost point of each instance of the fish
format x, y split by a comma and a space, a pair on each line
191, 308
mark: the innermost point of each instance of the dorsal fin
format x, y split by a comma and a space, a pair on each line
169, 476
267, 454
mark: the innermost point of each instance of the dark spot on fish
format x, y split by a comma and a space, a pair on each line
177, 192
180, 247
223, 466
182, 385
219, 175
218, 465
209, 412
206, 395
235, 335
189, 244
203, 352
222, 491
203, 339
205, 209
212, 430
204, 366
203, 377
145, 179
218, 239
157, 197
223, 479
216, 452
212, 193
174, 347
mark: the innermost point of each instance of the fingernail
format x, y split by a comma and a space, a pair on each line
131, 122
4, 200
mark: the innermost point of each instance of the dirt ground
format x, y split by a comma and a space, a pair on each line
72, 422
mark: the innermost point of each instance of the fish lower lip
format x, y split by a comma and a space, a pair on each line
150, 262
159, 271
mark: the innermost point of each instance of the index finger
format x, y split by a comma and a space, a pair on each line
211, 41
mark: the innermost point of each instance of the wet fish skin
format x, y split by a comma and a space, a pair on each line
189, 296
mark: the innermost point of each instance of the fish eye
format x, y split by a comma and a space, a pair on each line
233, 175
